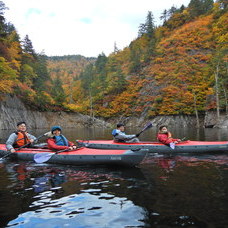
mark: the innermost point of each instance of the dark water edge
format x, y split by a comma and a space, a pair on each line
190, 133
178, 191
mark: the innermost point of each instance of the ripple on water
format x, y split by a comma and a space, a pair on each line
82, 210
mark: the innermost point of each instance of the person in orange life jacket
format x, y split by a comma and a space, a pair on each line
19, 138
59, 141
165, 137
120, 136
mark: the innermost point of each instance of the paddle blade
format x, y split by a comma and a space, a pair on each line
42, 157
172, 145
148, 125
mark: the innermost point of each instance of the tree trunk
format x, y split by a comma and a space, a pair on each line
91, 106
226, 101
196, 112
71, 92
217, 91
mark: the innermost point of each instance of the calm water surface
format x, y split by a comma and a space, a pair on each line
178, 191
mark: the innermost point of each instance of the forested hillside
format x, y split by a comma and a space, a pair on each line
24, 73
177, 68
64, 72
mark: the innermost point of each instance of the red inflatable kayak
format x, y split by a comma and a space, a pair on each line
81, 156
156, 147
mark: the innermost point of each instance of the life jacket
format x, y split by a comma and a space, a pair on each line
114, 133
61, 140
22, 139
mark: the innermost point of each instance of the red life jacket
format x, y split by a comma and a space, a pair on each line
22, 138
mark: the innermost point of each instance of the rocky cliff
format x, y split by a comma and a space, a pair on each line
12, 110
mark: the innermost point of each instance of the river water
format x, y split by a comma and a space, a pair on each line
177, 191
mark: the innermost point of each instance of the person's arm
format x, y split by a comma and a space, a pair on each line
71, 145
53, 146
10, 141
32, 138
121, 135
176, 140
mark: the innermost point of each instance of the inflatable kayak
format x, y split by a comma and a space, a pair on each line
156, 147
81, 156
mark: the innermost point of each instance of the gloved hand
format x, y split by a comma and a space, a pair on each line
137, 135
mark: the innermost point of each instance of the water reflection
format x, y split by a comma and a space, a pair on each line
58, 193
165, 191
179, 191
190, 192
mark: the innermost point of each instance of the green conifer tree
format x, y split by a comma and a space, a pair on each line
28, 46
57, 91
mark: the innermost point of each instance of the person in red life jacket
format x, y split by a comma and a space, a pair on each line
165, 137
19, 138
59, 141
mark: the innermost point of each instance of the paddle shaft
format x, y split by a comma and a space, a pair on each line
149, 125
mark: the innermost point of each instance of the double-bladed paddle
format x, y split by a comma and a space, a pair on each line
148, 125
43, 157
10, 153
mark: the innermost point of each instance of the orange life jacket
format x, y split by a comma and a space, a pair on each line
22, 138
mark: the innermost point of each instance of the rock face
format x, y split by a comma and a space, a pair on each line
12, 110
178, 120
210, 120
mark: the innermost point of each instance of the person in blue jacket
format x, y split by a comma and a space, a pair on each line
58, 141
120, 136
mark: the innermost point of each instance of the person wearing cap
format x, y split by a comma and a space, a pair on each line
59, 141
19, 138
120, 136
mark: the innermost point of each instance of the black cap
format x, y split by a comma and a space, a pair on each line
162, 127
21, 122
119, 125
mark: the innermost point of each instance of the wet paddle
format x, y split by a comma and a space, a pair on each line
43, 157
173, 145
10, 153
148, 125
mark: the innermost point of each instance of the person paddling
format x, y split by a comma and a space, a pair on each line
59, 141
165, 137
19, 138
120, 136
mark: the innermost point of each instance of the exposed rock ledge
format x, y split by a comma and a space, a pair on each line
208, 121
12, 110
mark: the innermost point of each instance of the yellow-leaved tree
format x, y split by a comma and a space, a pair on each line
8, 77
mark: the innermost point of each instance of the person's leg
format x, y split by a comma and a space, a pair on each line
135, 140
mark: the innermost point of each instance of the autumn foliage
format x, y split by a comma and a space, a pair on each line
166, 70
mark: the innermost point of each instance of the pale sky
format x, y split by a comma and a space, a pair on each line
85, 27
